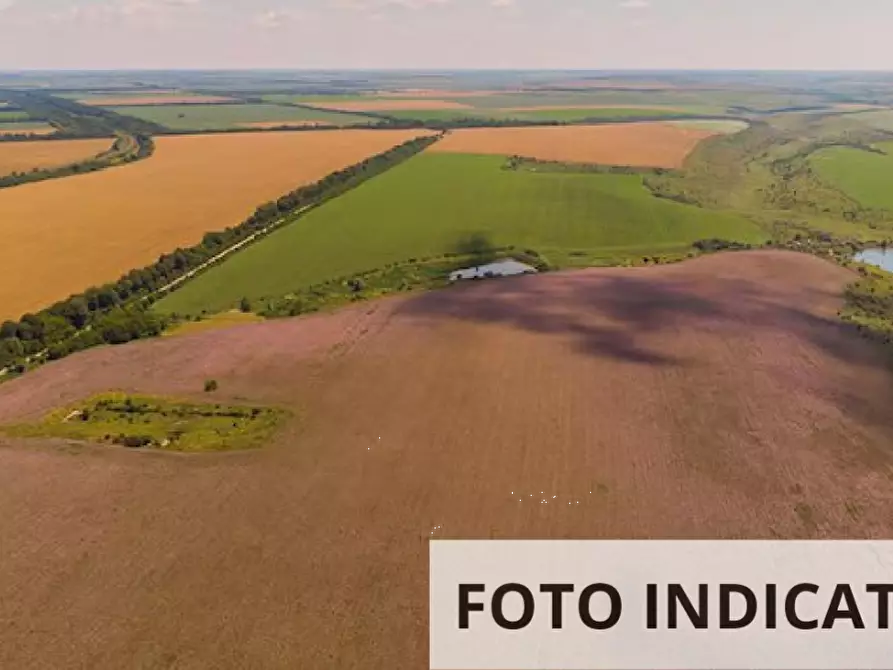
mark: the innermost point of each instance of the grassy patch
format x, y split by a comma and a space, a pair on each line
221, 117
864, 175
159, 423
427, 206
10, 116
213, 322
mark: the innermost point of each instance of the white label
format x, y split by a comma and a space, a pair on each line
674, 605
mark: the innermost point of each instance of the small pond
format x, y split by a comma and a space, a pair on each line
881, 258
506, 268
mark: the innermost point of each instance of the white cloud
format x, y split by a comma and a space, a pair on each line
635, 4
375, 5
275, 18
502, 4
6, 4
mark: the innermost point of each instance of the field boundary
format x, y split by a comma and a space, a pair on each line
119, 312
125, 149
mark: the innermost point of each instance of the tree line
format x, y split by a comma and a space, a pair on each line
75, 120
126, 149
120, 311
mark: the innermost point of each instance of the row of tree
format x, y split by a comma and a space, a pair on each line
126, 149
119, 312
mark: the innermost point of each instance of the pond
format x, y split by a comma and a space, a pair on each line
881, 258
506, 268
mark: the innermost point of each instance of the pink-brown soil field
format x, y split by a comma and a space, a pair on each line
636, 144
134, 100
718, 398
25, 156
389, 105
68, 234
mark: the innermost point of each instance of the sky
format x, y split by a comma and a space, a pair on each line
443, 34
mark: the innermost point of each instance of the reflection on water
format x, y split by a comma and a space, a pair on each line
881, 258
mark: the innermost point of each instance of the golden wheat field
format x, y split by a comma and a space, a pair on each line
636, 144
25, 156
66, 235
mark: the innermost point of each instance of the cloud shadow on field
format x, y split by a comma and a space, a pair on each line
622, 314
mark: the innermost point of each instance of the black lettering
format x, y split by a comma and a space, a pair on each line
526, 615
883, 603
771, 606
851, 611
790, 607
586, 613
557, 590
677, 595
651, 606
725, 606
465, 606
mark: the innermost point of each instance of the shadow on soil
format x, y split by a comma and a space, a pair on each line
625, 317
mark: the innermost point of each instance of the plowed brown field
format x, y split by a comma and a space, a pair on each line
393, 105
719, 398
25, 156
66, 235
637, 144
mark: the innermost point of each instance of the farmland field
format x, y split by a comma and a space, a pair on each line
98, 226
862, 175
220, 117
7, 116
425, 206
25, 156
716, 399
32, 127
137, 99
642, 144
881, 119
371, 105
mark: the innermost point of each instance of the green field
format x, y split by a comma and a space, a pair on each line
428, 205
863, 175
561, 115
7, 116
221, 117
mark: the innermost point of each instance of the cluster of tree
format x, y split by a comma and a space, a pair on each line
538, 165
716, 244
126, 149
116, 313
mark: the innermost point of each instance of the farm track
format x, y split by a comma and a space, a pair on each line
716, 398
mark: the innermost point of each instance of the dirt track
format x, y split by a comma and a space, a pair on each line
714, 399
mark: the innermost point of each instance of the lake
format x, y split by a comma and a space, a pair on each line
506, 268
881, 258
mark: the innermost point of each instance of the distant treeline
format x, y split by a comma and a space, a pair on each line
126, 149
115, 313
75, 120
538, 165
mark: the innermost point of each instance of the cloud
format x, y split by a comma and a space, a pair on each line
376, 5
635, 4
502, 4
275, 18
